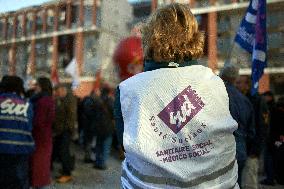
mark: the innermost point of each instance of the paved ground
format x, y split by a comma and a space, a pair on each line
86, 177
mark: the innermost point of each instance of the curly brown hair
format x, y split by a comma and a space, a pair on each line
171, 34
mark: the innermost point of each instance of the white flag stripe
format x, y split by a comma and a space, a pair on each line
259, 55
250, 18
256, 85
255, 4
71, 68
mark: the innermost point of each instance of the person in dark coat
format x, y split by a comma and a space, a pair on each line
100, 116
269, 147
16, 141
44, 108
276, 140
261, 115
63, 130
242, 111
88, 130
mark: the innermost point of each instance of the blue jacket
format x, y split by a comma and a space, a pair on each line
16, 116
242, 111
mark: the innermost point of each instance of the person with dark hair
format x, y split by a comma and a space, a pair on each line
174, 118
44, 108
269, 146
242, 111
16, 141
13, 84
97, 109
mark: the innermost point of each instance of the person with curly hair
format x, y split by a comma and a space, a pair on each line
173, 118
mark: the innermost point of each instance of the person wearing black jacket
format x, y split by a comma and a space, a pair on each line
261, 127
269, 146
100, 119
242, 111
276, 140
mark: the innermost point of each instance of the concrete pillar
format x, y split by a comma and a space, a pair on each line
5, 28
81, 13
56, 16
34, 23
264, 83
68, 14
212, 39
79, 51
94, 12
24, 24
79, 40
13, 49
44, 20
12, 59
32, 58
154, 5
54, 63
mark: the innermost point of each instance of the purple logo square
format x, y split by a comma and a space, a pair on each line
181, 109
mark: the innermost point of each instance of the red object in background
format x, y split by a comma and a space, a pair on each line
129, 57
54, 77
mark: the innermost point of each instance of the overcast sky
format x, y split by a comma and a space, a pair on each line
11, 5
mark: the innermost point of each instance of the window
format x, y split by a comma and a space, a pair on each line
88, 14
43, 56
62, 18
39, 22
65, 53
91, 64
29, 24
10, 28
4, 61
22, 58
19, 28
75, 16
1, 29
50, 20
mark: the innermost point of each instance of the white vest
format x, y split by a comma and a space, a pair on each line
178, 131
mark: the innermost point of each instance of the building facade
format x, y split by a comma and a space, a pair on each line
42, 40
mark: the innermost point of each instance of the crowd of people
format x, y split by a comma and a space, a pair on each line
256, 134
184, 127
37, 128
178, 124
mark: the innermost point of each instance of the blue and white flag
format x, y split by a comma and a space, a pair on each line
252, 37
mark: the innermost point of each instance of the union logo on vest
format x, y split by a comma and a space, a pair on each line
181, 109
14, 107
